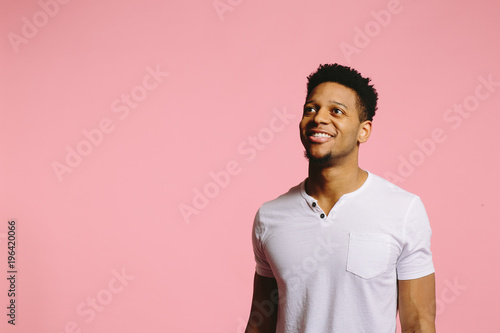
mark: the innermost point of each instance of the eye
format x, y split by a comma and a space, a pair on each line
308, 109
337, 111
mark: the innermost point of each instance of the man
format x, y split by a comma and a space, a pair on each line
345, 249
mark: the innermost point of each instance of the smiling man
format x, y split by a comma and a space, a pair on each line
345, 249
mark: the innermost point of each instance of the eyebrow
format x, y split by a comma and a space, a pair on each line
331, 102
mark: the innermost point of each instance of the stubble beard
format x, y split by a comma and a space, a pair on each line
321, 160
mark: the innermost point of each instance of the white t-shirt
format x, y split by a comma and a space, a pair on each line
338, 272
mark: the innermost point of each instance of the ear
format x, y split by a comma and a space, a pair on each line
365, 128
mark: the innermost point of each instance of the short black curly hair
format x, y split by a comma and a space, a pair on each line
349, 77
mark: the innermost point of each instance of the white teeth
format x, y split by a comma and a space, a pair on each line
321, 135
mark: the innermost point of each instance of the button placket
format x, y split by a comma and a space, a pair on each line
318, 209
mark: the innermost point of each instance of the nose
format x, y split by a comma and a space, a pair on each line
321, 116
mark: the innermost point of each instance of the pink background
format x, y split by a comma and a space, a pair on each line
230, 70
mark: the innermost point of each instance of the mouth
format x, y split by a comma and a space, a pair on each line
318, 136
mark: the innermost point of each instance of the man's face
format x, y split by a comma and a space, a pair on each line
330, 129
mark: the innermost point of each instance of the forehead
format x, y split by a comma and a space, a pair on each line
328, 92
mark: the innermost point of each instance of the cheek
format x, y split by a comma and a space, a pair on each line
303, 124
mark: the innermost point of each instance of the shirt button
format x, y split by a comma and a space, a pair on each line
314, 204
322, 216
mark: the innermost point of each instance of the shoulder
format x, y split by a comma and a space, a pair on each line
383, 192
283, 203
384, 186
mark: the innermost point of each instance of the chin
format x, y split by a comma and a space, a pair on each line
323, 158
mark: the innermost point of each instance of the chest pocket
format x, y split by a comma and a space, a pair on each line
368, 254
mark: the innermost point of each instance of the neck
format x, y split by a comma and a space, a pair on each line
329, 183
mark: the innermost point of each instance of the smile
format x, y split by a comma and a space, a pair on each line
322, 135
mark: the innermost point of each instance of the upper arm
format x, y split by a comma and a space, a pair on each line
417, 304
264, 309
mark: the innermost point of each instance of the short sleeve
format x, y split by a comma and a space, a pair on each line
415, 260
262, 266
